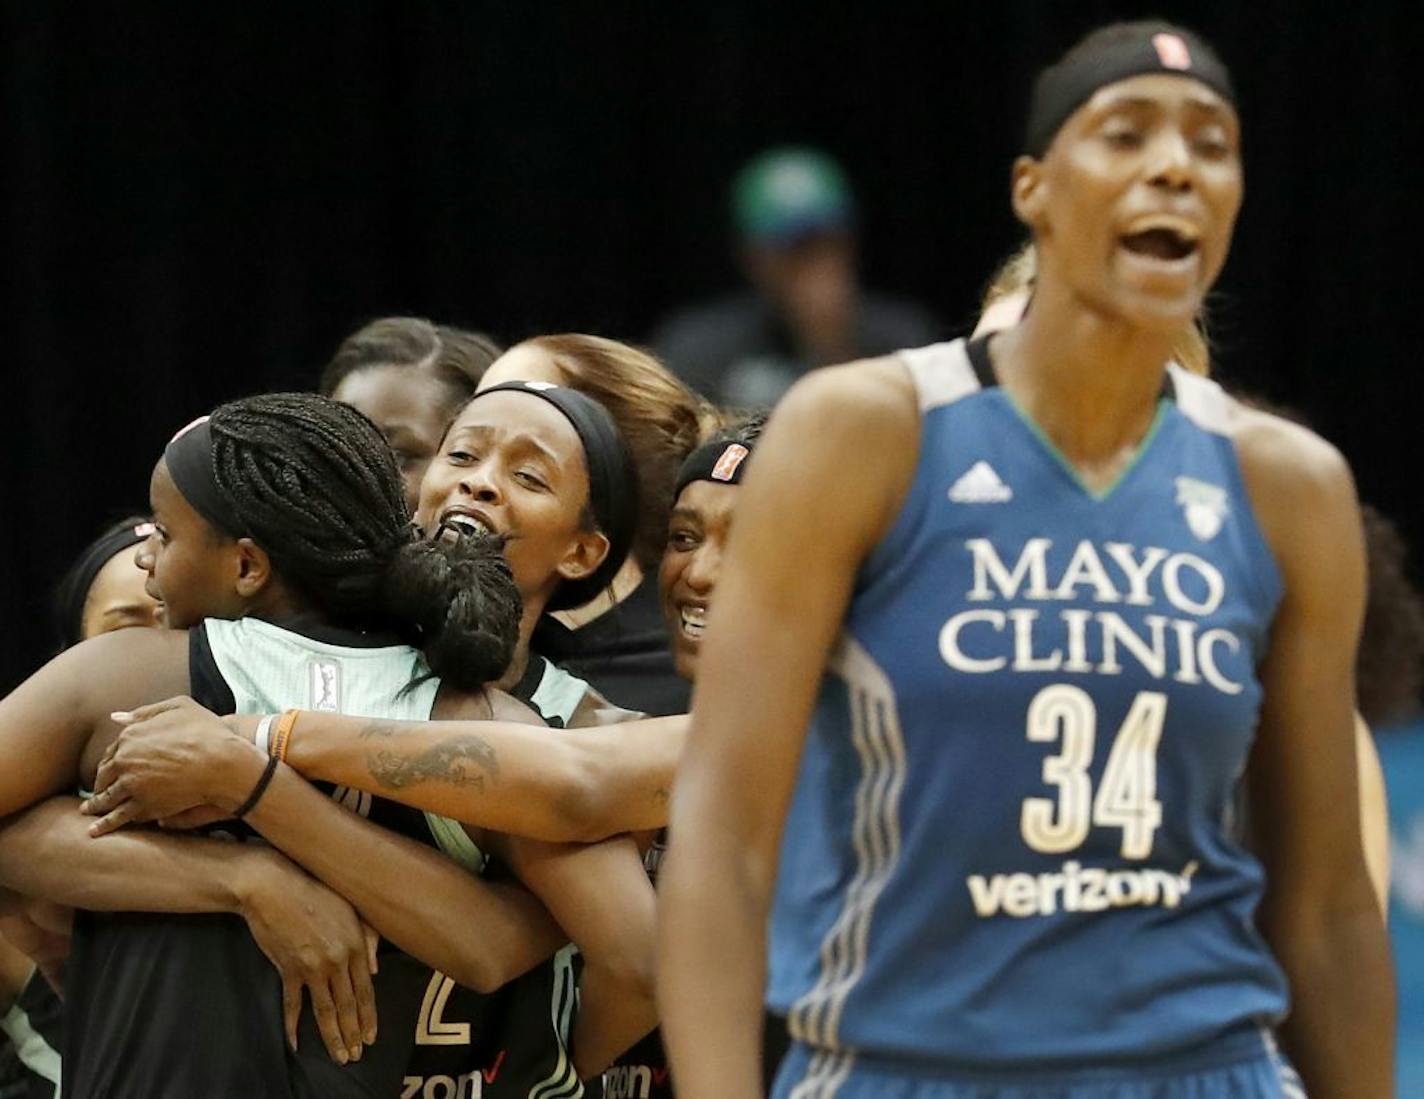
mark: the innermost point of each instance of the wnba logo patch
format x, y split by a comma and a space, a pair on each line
1172, 51
731, 460
324, 686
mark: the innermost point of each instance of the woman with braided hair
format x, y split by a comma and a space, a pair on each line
544, 469
289, 575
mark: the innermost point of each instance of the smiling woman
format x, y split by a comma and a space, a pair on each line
973, 839
544, 468
616, 641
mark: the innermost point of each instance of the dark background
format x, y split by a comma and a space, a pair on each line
199, 201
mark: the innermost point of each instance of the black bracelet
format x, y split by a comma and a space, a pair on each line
258, 790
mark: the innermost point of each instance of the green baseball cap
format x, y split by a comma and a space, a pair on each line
788, 193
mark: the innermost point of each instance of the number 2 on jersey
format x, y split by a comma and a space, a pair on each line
431, 1029
1127, 794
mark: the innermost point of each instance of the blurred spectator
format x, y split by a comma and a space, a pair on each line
795, 221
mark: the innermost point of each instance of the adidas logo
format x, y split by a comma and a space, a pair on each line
981, 485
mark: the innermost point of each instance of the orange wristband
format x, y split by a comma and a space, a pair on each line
282, 735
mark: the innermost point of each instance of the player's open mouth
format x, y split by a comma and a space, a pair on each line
1162, 241
467, 521
692, 621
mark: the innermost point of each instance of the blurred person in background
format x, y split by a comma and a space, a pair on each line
795, 222
409, 376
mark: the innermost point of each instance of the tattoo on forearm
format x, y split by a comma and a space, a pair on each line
457, 760
379, 729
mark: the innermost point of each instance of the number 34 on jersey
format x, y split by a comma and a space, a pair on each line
1125, 799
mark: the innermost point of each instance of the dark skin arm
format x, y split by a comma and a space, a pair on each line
1319, 912
312, 936
58, 719
482, 934
786, 580
40, 930
55, 727
505, 775
601, 896
15, 972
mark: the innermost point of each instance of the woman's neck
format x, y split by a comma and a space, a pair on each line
1090, 382
519, 663
278, 603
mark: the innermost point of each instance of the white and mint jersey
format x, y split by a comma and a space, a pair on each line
202, 1006
1011, 843
270, 669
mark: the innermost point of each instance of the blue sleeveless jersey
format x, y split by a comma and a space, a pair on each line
1011, 845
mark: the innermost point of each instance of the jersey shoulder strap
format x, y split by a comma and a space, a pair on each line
1201, 400
942, 372
555, 695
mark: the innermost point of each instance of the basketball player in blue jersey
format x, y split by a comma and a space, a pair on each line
978, 695
1381, 670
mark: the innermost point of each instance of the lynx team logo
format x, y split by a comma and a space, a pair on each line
1204, 506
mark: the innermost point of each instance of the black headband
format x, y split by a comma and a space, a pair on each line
189, 458
73, 590
1156, 48
722, 460
612, 486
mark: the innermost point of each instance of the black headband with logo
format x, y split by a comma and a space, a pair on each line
722, 461
73, 591
1155, 48
189, 458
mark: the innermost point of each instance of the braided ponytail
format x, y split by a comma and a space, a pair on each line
315, 485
